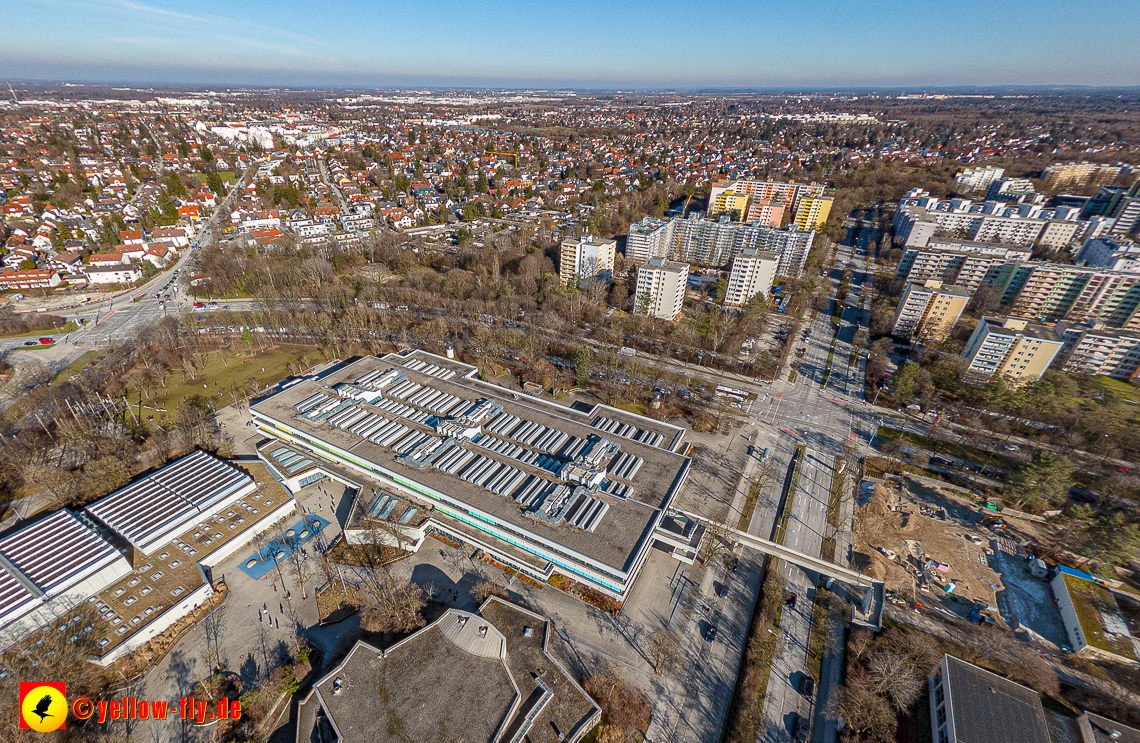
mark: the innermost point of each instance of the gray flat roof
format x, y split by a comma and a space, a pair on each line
170, 500
424, 688
990, 709
626, 522
1103, 729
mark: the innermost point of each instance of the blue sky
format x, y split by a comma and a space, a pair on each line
575, 43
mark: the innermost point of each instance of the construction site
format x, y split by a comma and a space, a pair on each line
932, 548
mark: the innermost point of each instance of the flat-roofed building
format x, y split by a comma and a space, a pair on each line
1096, 729
660, 290
978, 179
1093, 622
725, 196
151, 510
812, 211
969, 704
929, 311
542, 488
753, 272
1011, 347
1077, 175
485, 677
586, 258
1095, 350
50, 566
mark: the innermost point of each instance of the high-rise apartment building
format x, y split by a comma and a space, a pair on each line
963, 263
1049, 292
1093, 349
920, 217
928, 311
725, 197
1079, 175
1012, 348
753, 272
587, 257
714, 242
649, 238
661, 288
812, 211
978, 179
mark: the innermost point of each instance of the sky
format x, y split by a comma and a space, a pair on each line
600, 44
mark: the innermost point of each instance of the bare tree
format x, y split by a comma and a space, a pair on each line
665, 650
390, 604
894, 679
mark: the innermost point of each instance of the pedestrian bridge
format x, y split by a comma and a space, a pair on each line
867, 612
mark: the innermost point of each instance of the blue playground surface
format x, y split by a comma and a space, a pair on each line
261, 562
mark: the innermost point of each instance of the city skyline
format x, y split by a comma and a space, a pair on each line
641, 46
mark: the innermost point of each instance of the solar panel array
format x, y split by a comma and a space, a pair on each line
573, 506
432, 370
166, 500
49, 553
628, 431
625, 465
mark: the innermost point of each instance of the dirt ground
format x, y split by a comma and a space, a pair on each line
917, 522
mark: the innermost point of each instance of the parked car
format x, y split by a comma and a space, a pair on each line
807, 687
801, 729
1012, 447
47, 341
30, 343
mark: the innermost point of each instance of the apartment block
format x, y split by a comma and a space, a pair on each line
1050, 292
724, 194
1096, 350
1059, 233
585, 258
765, 213
753, 272
661, 288
929, 311
1012, 348
921, 217
812, 211
978, 179
963, 263
647, 239
1079, 175
710, 242
1013, 190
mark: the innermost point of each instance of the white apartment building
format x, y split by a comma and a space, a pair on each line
661, 288
587, 257
753, 272
978, 179
710, 242
920, 216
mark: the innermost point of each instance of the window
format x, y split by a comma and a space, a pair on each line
164, 555
133, 582
145, 590
177, 591
131, 600
176, 563
156, 576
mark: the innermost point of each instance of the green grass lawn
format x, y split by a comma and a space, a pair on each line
77, 366
221, 376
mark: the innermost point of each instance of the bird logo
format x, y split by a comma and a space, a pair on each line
43, 706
